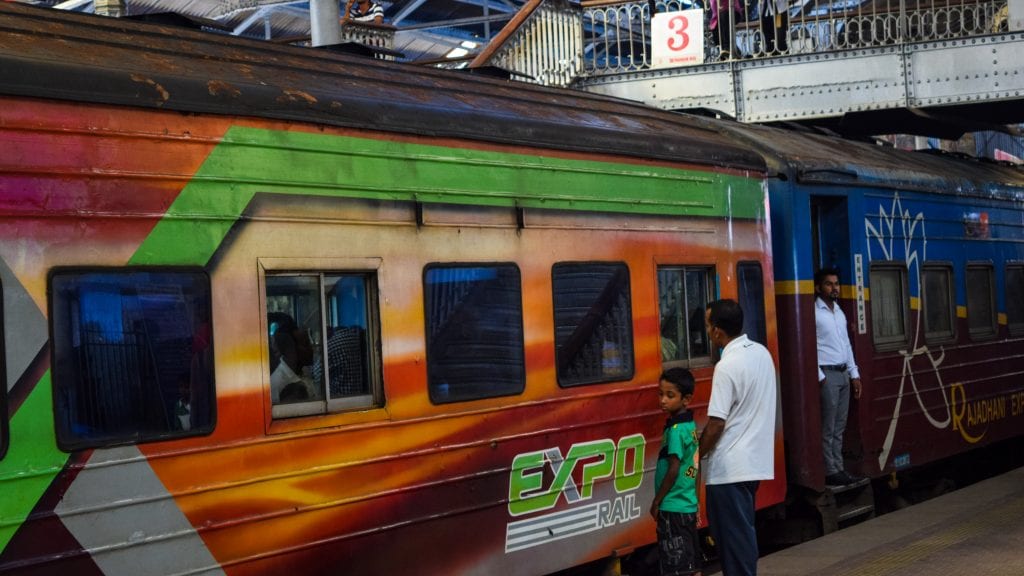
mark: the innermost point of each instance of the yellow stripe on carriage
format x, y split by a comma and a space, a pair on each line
793, 287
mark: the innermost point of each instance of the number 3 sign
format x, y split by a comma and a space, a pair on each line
677, 38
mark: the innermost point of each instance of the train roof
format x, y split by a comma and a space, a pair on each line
84, 58
820, 159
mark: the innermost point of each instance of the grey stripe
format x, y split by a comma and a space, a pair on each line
124, 517
24, 325
551, 527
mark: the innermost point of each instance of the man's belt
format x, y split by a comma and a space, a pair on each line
834, 367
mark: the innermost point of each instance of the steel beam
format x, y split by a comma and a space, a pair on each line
459, 22
969, 70
831, 84
822, 85
406, 11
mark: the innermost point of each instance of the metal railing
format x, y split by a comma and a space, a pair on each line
374, 35
542, 44
617, 35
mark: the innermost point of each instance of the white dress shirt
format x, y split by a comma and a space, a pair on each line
833, 340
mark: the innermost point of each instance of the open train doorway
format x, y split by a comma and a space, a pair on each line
831, 249
830, 235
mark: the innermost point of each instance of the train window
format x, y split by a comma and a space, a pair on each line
474, 322
683, 295
981, 309
1015, 299
938, 306
132, 355
321, 330
751, 299
889, 304
593, 322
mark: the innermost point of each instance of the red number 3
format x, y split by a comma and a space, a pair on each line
680, 39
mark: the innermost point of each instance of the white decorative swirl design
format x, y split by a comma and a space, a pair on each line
906, 246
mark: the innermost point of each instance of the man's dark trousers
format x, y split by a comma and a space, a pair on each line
731, 517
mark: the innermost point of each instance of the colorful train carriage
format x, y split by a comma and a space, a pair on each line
931, 254
270, 310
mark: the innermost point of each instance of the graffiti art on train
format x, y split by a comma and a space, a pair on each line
899, 235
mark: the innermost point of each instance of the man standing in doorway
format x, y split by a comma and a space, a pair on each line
739, 438
837, 372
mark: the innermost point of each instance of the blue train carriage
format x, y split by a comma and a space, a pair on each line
930, 250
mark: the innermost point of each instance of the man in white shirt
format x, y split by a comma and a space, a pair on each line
837, 372
739, 438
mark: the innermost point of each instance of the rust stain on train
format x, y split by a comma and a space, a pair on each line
296, 96
162, 93
221, 88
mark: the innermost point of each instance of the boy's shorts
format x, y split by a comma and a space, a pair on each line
678, 547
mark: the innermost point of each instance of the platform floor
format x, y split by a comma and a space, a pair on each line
974, 531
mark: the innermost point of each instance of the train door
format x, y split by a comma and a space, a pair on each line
830, 235
831, 248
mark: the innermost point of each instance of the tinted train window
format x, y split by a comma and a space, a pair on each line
132, 356
1015, 299
683, 295
593, 323
937, 302
889, 305
321, 338
981, 309
474, 317
751, 299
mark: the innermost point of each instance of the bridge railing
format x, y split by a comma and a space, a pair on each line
380, 36
617, 35
542, 44
377, 37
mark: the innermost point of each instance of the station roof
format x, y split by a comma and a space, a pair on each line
426, 29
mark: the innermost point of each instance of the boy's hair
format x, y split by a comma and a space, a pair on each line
727, 315
681, 378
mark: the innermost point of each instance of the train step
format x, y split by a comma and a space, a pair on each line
855, 512
848, 487
851, 503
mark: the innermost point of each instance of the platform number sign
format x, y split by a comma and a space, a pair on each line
677, 38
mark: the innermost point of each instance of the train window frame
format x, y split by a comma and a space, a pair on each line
622, 356
991, 329
1015, 293
4, 426
894, 342
938, 336
759, 331
710, 292
439, 384
68, 382
325, 272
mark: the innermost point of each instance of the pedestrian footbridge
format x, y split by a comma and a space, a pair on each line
863, 66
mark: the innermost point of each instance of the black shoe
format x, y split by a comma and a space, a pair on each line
836, 479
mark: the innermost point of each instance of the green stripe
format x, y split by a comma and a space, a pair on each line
254, 160
32, 460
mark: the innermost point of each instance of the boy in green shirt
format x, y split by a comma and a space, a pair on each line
675, 502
